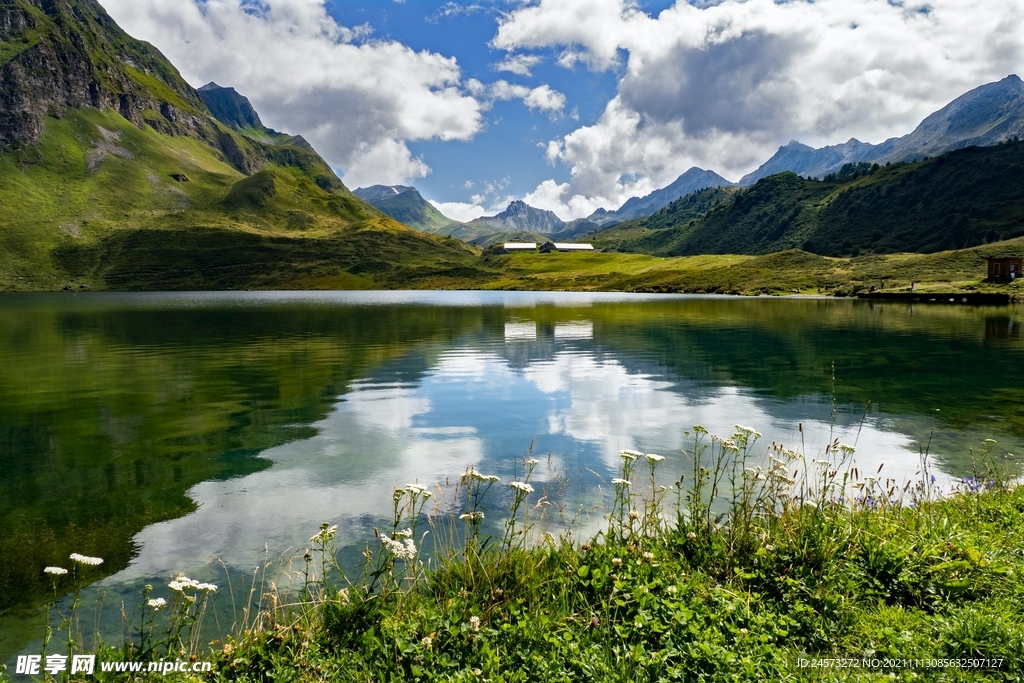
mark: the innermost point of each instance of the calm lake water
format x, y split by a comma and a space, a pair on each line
160, 431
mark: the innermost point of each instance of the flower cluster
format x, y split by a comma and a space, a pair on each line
652, 458
326, 533
522, 486
85, 559
402, 550
417, 490
628, 455
157, 603
471, 516
620, 482
181, 583
55, 571
484, 477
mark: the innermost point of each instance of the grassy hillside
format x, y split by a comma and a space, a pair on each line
101, 203
787, 272
962, 199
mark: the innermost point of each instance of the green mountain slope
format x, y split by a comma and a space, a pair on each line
961, 199
406, 205
114, 174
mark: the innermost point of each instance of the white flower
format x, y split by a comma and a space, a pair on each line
483, 477
846, 448
427, 642
207, 587
826, 463
474, 623
648, 556
672, 590
471, 516
532, 462
157, 603
402, 551
415, 489
620, 482
651, 457
630, 455
691, 536
522, 486
55, 571
425, 494
747, 431
181, 582
405, 533
85, 559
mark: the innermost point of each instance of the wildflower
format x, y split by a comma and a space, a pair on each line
826, 463
471, 516
630, 455
616, 562
747, 431
182, 582
691, 536
633, 514
769, 547
522, 486
700, 429
343, 596
85, 559
402, 551
415, 489
672, 590
533, 462
648, 556
55, 571
157, 603
989, 441
404, 533
620, 482
729, 445
427, 642
207, 587
652, 458
474, 623
744, 631
846, 448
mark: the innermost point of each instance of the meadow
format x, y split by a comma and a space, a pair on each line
759, 563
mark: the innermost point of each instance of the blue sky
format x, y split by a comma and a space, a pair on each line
601, 100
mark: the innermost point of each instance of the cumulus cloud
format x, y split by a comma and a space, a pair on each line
357, 100
543, 97
520, 65
723, 84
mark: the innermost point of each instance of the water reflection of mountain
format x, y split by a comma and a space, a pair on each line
116, 414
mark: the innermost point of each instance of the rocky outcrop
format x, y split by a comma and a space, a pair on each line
61, 54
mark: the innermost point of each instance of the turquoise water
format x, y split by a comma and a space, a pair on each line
210, 433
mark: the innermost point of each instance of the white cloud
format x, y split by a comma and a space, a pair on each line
358, 103
723, 84
521, 65
459, 211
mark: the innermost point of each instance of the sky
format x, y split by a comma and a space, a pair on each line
575, 105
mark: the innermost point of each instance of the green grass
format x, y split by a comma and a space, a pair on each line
739, 575
103, 204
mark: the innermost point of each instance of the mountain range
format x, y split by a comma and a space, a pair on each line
960, 199
115, 173
985, 116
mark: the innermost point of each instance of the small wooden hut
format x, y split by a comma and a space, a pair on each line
1005, 267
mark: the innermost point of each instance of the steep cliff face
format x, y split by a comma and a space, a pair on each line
58, 54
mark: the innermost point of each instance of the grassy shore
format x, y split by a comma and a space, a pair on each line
754, 569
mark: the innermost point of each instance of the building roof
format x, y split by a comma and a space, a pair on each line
573, 246
520, 245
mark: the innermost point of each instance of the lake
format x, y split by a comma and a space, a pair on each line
161, 431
